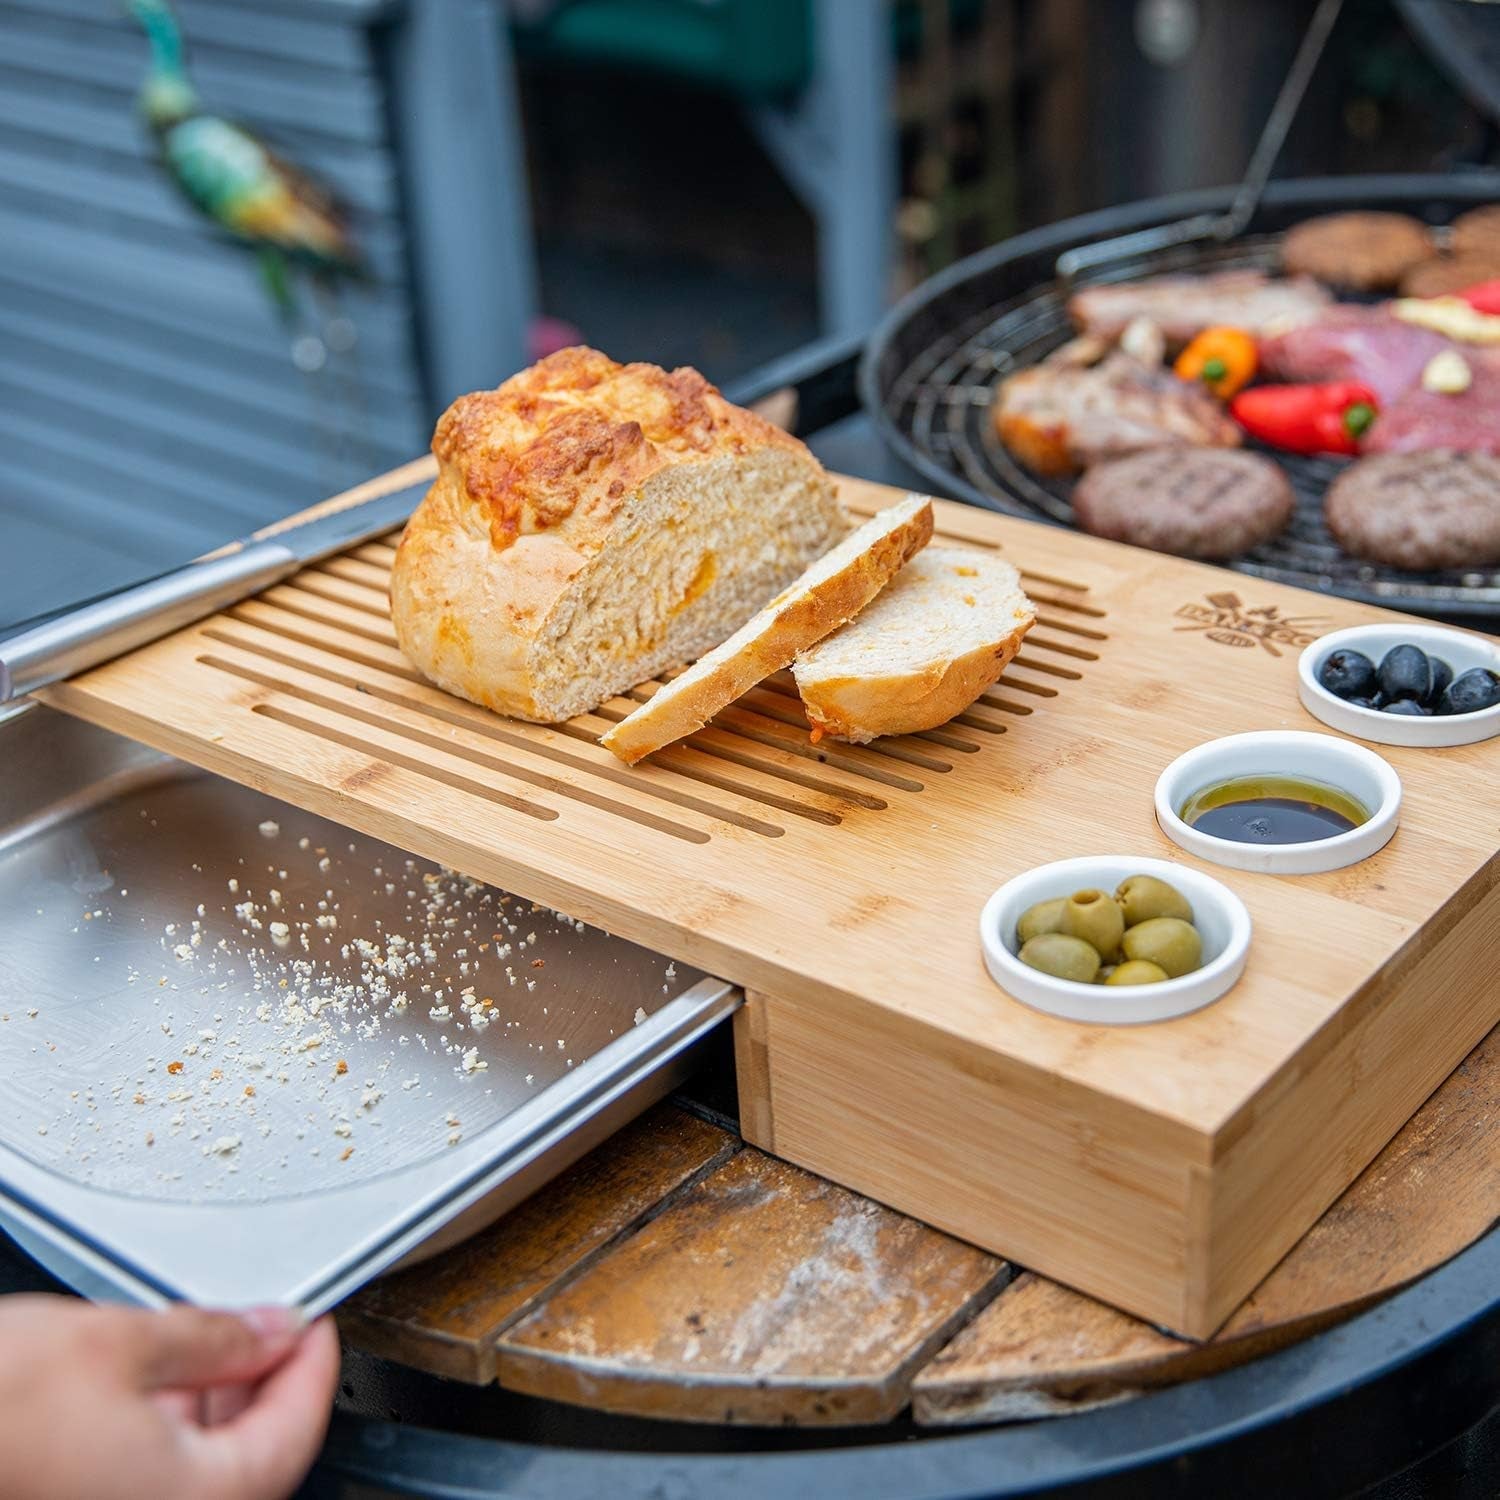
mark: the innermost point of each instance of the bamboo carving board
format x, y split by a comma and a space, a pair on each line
1162, 1168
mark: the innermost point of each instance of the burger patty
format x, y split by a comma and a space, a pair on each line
1446, 274
1367, 252
1210, 503
1438, 509
1477, 232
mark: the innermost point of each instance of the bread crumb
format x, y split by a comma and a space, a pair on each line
174, 1068
270, 828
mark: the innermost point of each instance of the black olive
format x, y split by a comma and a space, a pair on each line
1471, 691
1442, 675
1347, 674
1405, 672
1409, 707
1363, 702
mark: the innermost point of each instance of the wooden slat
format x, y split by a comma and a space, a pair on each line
762, 1294
1041, 1350
446, 1315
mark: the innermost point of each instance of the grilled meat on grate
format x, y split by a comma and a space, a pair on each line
1419, 510
1211, 503
1183, 306
1354, 342
1057, 417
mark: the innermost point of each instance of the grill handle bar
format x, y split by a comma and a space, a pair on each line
1246, 200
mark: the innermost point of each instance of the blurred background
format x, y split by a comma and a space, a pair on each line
249, 249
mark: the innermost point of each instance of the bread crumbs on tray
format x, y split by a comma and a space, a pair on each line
310, 956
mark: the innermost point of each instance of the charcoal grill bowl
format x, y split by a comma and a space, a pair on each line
928, 373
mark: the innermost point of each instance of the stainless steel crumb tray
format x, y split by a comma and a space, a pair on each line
250, 1057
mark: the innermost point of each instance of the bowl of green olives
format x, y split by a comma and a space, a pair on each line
1418, 685
1115, 939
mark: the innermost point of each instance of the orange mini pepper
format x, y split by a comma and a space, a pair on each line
1224, 359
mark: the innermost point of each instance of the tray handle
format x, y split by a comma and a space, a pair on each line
107, 627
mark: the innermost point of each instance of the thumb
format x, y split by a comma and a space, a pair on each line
188, 1347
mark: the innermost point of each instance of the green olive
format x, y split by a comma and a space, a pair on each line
1045, 916
1137, 971
1102, 977
1168, 942
1094, 917
1061, 956
1144, 896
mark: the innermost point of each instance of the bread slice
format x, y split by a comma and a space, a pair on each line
593, 524
834, 589
935, 639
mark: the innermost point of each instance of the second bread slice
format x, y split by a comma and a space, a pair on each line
833, 590
923, 651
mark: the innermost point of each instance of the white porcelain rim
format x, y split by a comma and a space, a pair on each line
1396, 729
1094, 1004
1315, 857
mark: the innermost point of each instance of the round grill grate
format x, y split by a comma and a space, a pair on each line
931, 388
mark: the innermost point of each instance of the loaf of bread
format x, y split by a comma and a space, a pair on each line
833, 590
593, 524
938, 635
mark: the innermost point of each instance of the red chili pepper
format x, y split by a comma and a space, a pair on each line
1307, 418
1485, 297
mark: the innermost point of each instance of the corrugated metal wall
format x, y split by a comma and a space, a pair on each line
149, 406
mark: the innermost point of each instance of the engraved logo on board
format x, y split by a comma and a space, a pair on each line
1226, 619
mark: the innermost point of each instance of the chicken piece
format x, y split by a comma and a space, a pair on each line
1058, 418
1183, 306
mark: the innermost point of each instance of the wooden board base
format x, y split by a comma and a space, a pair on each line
1160, 1168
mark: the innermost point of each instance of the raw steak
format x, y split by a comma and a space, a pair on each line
1468, 422
1353, 342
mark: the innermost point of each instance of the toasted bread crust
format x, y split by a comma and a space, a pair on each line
798, 622
861, 709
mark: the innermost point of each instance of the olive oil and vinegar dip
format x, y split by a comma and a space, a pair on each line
1272, 810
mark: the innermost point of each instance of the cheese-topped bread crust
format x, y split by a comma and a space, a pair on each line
593, 524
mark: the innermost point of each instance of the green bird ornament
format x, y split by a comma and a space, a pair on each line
235, 180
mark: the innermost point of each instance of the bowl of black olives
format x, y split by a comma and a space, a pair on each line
1115, 939
1422, 685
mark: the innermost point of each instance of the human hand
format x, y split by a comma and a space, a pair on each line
113, 1403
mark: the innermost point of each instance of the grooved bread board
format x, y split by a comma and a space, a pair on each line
1164, 1168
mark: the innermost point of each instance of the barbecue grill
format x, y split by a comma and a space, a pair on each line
929, 374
